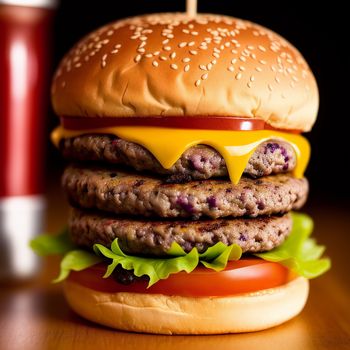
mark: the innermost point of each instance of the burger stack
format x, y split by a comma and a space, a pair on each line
167, 71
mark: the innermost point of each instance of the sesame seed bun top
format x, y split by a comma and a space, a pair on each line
169, 64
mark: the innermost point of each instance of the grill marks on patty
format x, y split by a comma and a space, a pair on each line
198, 162
122, 192
155, 237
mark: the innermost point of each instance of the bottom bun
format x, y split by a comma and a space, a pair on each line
162, 314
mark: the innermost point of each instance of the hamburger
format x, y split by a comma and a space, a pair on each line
186, 162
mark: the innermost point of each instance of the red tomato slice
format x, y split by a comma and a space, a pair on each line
184, 122
242, 276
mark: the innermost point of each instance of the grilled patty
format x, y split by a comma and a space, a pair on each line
198, 162
136, 236
122, 192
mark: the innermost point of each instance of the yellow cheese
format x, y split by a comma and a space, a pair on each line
168, 144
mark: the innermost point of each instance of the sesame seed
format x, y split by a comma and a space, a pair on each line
104, 57
202, 67
227, 44
173, 55
149, 55
187, 68
249, 84
216, 50
156, 53
115, 51
234, 60
170, 36
143, 38
241, 68
295, 78
104, 42
269, 87
191, 43
78, 65
165, 41
261, 48
292, 84
134, 37
252, 78
63, 84
262, 62
273, 68
141, 50
186, 59
103, 64
174, 66
253, 56
142, 44
209, 66
234, 52
118, 46
197, 83
216, 55
182, 44
213, 61
277, 79
238, 75
155, 64
186, 31
137, 58
193, 52
231, 68
250, 47
167, 48
243, 59
258, 69
191, 26
110, 32
163, 58
204, 76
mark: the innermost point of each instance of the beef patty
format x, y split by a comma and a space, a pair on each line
155, 237
122, 192
198, 162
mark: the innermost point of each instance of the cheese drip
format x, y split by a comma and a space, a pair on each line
168, 144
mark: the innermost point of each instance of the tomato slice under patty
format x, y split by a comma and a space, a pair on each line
242, 276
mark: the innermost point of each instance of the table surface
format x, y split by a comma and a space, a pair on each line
35, 315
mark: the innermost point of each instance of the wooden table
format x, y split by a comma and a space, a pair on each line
35, 315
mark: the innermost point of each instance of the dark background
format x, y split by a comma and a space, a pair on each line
319, 32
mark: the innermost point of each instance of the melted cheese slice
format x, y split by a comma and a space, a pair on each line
168, 144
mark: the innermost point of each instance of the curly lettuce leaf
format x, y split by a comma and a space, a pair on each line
215, 258
300, 253
47, 244
76, 260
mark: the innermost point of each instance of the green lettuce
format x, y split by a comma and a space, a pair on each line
48, 244
299, 253
178, 260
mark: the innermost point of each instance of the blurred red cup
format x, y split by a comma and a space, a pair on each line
25, 28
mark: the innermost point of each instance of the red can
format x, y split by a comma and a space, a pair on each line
25, 27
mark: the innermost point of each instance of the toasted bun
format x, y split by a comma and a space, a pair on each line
168, 64
161, 314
